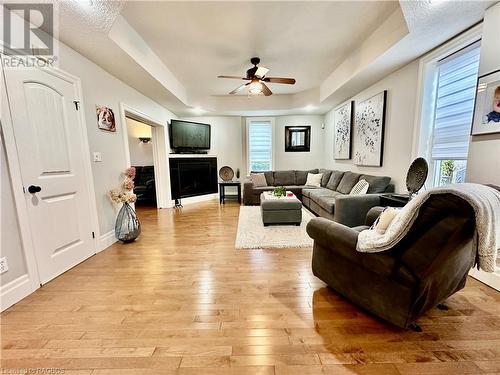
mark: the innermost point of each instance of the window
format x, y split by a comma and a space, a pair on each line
455, 93
260, 145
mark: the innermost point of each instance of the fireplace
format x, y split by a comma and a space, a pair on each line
190, 177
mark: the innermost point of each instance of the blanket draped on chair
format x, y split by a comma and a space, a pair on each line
485, 202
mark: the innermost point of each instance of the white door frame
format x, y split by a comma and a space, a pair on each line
160, 161
15, 172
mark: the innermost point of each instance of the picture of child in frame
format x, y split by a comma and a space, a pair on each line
494, 115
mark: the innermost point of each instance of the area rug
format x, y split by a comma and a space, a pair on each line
252, 234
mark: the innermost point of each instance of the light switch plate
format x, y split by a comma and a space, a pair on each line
97, 157
4, 267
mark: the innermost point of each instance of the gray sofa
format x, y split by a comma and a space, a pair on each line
332, 199
429, 264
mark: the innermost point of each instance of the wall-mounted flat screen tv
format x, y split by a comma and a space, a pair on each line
187, 135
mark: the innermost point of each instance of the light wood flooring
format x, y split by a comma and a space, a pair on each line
182, 300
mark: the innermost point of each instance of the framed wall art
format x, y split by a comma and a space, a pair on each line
487, 108
369, 126
105, 118
342, 128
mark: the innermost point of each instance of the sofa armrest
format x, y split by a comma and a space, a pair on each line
329, 233
373, 215
351, 210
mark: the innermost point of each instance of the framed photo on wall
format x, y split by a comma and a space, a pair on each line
487, 108
342, 128
105, 118
369, 126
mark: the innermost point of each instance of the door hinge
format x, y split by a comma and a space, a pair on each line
77, 104
93, 235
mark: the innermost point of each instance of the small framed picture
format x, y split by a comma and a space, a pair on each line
487, 110
105, 118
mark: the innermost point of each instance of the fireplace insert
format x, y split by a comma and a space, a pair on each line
190, 177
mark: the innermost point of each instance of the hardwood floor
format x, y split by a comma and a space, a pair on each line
182, 300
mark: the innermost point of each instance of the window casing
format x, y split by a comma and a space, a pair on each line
260, 144
454, 106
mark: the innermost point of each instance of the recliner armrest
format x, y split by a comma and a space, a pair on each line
327, 233
373, 215
351, 210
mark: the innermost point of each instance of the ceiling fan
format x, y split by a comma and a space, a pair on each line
257, 77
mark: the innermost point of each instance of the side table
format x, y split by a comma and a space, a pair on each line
394, 200
222, 190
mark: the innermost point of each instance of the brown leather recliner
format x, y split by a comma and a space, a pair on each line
399, 285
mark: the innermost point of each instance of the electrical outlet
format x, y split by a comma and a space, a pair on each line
97, 157
4, 267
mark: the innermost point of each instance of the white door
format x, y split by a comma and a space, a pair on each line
47, 133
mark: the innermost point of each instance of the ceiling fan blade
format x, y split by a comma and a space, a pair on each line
261, 71
288, 81
265, 89
239, 88
234, 77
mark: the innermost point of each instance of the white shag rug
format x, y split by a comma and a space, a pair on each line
252, 234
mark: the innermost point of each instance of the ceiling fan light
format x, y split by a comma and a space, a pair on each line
255, 88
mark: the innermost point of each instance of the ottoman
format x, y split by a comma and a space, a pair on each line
283, 210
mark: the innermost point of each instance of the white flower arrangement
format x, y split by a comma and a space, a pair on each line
124, 193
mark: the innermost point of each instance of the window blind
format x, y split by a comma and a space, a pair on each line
260, 145
456, 90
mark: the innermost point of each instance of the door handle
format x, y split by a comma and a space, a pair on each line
34, 189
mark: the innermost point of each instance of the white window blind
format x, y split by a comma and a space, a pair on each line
457, 79
260, 145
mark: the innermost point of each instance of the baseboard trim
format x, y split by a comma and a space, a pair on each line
198, 199
106, 240
490, 279
15, 291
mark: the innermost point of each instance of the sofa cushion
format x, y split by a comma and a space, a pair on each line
259, 190
269, 178
324, 198
258, 179
307, 191
326, 176
348, 181
282, 178
314, 179
301, 176
334, 180
378, 184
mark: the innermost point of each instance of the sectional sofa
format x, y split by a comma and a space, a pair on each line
331, 200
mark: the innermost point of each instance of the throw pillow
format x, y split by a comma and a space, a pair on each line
258, 179
314, 179
360, 188
385, 219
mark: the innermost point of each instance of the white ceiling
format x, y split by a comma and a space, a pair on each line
310, 41
303, 40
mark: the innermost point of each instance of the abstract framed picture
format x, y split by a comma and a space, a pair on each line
105, 118
487, 109
369, 126
342, 128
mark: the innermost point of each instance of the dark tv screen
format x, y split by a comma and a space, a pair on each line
189, 135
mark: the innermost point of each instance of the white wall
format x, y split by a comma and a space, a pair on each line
10, 238
99, 87
299, 160
226, 142
401, 89
484, 150
140, 153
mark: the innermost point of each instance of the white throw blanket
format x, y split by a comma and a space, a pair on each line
483, 199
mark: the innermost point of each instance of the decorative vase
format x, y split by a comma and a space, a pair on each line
127, 227
238, 173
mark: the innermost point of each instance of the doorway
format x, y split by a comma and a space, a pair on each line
141, 152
